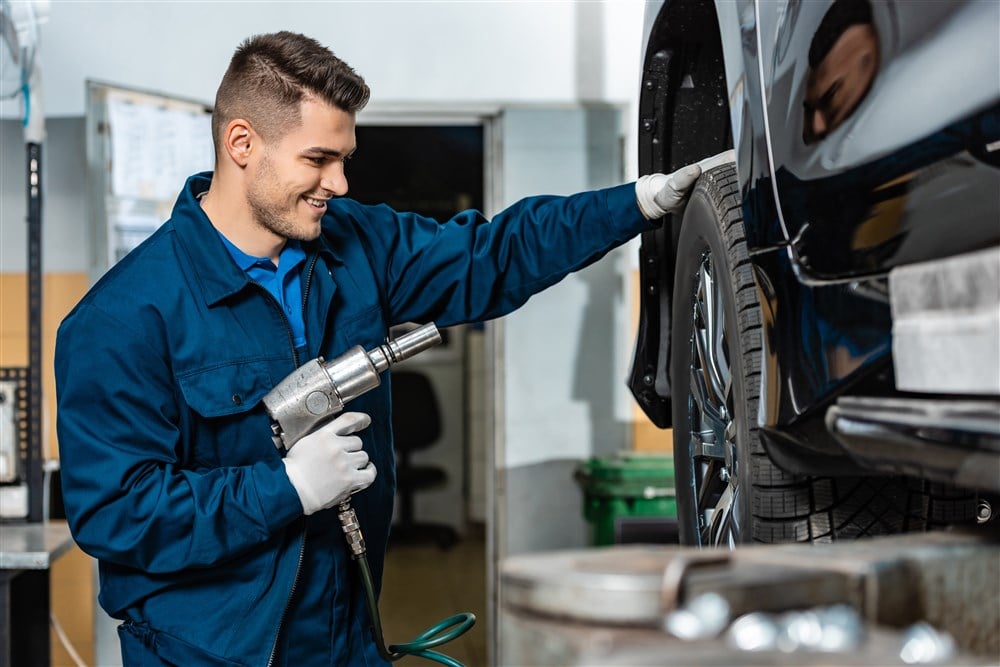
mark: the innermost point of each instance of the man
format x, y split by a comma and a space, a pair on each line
214, 549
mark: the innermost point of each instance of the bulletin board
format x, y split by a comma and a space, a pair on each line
141, 146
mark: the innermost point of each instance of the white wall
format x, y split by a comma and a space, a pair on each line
559, 377
411, 51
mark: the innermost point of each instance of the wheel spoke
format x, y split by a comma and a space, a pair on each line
713, 447
720, 358
709, 472
700, 347
711, 338
723, 529
708, 426
706, 363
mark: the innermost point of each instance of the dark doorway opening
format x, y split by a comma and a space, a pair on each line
433, 170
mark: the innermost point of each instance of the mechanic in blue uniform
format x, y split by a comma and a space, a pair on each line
213, 548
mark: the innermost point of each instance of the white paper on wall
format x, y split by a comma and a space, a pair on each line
154, 148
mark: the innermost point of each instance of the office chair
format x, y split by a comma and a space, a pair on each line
416, 425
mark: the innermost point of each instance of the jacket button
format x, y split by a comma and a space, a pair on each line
237, 399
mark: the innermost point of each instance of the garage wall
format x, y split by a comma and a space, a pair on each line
560, 380
408, 51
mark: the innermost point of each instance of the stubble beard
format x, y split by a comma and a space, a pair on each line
261, 195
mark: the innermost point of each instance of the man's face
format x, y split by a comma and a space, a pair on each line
292, 178
840, 81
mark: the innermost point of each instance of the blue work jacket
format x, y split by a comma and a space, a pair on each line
170, 477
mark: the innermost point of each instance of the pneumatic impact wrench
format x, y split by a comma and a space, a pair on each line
317, 392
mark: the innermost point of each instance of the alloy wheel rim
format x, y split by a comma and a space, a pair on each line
710, 415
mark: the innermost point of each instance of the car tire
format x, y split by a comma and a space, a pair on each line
732, 493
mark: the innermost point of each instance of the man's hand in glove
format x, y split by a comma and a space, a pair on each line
328, 465
660, 194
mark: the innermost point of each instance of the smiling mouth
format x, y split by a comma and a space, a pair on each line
318, 204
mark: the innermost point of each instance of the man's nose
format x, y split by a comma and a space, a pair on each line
334, 179
819, 124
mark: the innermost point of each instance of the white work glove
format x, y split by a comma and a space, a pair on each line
660, 194
328, 465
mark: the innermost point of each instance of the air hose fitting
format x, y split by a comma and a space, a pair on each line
450, 628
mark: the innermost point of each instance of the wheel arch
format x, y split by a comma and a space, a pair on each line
684, 112
684, 116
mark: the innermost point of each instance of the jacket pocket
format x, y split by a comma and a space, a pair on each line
179, 652
141, 645
226, 389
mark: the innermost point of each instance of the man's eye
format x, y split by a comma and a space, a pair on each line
828, 96
318, 161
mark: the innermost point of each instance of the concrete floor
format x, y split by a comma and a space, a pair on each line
423, 585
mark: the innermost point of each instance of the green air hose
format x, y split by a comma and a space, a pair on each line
441, 633
426, 640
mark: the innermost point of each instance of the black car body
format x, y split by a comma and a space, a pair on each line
820, 326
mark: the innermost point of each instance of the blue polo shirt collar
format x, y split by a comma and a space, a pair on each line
282, 281
291, 256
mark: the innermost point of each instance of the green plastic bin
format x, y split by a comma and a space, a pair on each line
629, 498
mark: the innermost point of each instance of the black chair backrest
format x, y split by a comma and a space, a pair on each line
416, 418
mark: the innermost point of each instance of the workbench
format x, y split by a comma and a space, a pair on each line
27, 552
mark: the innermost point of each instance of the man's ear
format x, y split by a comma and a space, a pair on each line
239, 140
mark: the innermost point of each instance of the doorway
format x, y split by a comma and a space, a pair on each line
433, 170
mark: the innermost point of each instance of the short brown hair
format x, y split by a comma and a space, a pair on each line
270, 75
